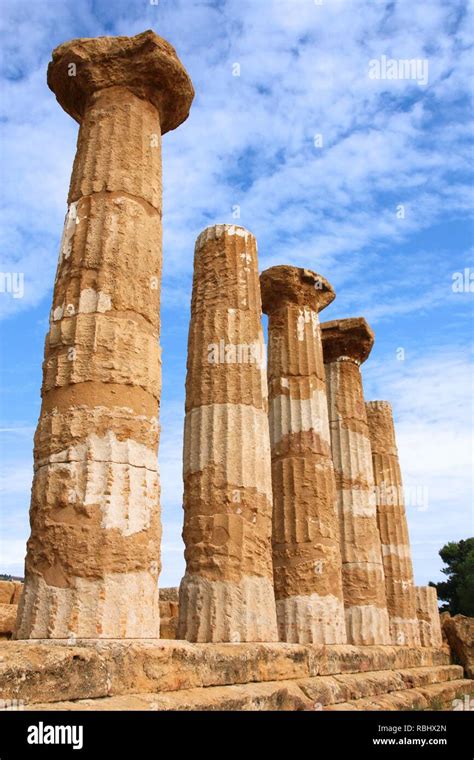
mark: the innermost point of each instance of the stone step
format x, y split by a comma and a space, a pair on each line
437, 696
272, 695
345, 687
345, 691
53, 671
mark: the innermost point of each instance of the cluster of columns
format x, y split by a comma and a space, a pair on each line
339, 547
288, 530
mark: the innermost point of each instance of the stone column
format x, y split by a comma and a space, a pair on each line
227, 591
346, 344
306, 554
93, 557
428, 616
392, 524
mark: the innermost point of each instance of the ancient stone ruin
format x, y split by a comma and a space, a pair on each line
429, 623
298, 592
227, 591
393, 527
346, 344
306, 552
93, 557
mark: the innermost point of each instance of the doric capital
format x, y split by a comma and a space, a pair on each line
346, 339
286, 284
146, 65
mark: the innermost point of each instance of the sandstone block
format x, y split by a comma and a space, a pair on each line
7, 589
8, 614
428, 616
459, 631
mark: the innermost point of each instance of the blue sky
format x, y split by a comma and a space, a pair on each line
330, 203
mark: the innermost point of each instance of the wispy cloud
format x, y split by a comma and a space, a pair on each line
249, 141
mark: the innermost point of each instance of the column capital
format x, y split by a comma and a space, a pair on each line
146, 64
347, 339
287, 284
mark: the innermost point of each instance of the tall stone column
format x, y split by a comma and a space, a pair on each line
346, 344
392, 524
427, 611
93, 557
227, 591
306, 554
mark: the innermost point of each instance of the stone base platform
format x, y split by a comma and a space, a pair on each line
177, 675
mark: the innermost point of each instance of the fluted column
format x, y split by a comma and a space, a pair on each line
93, 557
346, 344
427, 611
227, 591
392, 524
306, 555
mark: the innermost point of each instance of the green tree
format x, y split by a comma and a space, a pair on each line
458, 590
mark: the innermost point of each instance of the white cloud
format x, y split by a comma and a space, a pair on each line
15, 478
297, 79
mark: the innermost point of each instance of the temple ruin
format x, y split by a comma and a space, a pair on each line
298, 592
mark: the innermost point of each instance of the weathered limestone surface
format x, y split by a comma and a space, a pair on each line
6, 592
227, 591
392, 524
168, 612
428, 616
93, 557
8, 614
459, 632
306, 554
52, 671
146, 65
438, 696
118, 675
281, 695
10, 592
346, 344
17, 592
311, 695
